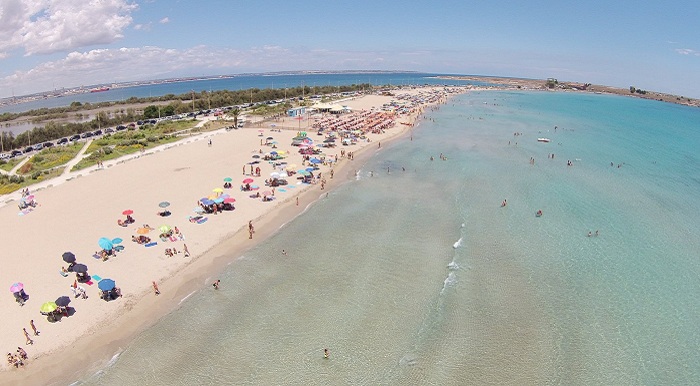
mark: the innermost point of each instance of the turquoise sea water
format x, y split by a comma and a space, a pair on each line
420, 277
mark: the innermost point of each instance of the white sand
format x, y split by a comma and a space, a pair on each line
74, 214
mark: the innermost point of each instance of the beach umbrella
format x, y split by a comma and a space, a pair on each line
269, 138
48, 307
203, 199
105, 243
106, 284
315, 161
275, 175
229, 200
62, 301
218, 190
218, 200
208, 202
310, 170
16, 287
228, 179
117, 240
248, 181
164, 204
198, 210
266, 193
69, 257
142, 231
80, 268
256, 156
164, 228
127, 212
29, 198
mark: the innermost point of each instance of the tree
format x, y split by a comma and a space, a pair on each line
632, 89
235, 112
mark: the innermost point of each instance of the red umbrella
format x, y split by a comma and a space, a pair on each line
248, 181
229, 200
127, 212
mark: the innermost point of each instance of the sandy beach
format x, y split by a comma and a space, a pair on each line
75, 212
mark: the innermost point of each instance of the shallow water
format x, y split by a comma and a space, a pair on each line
420, 277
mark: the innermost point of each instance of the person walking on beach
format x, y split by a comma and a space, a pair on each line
216, 284
155, 288
26, 335
326, 353
185, 250
251, 229
31, 324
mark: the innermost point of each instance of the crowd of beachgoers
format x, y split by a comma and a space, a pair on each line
139, 251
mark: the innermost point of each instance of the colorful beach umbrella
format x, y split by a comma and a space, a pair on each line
105, 243
164, 204
117, 240
142, 231
218, 190
228, 179
218, 200
248, 181
229, 200
16, 287
266, 193
68, 257
106, 284
127, 212
80, 268
164, 228
48, 307
62, 301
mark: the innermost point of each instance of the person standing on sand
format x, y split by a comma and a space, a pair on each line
326, 353
26, 335
155, 288
185, 250
31, 324
297, 201
216, 284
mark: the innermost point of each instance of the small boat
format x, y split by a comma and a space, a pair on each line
543, 140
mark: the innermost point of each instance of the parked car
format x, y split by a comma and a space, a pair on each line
121, 127
48, 144
28, 149
109, 130
16, 152
97, 132
75, 137
38, 146
62, 141
5, 156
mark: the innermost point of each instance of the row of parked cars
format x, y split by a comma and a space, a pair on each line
74, 138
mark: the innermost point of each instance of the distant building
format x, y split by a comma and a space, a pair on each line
296, 111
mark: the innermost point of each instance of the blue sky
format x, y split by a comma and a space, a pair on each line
51, 44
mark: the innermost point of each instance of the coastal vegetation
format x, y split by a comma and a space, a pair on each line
174, 104
128, 142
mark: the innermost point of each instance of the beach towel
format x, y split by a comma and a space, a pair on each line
89, 282
202, 220
151, 244
64, 274
119, 248
97, 278
97, 256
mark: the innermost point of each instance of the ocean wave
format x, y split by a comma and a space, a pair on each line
453, 266
450, 280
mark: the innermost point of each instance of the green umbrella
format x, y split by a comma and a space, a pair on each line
48, 307
164, 228
228, 179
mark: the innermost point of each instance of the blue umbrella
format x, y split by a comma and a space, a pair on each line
105, 243
117, 241
106, 284
310, 170
203, 199
208, 202
218, 200
315, 161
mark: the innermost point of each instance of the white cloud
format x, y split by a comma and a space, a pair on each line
687, 51
164, 20
47, 26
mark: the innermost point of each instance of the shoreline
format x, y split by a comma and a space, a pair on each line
102, 343
567, 86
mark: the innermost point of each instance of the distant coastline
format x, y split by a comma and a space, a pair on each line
542, 84
57, 93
